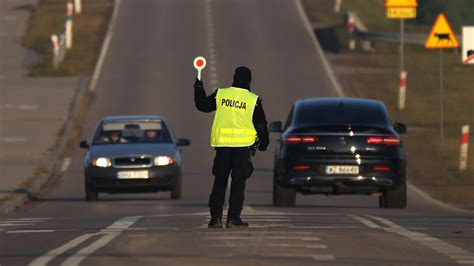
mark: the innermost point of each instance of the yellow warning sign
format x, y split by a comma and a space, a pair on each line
442, 36
401, 3
401, 12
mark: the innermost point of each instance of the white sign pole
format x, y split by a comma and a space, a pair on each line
464, 147
468, 45
199, 63
69, 10
402, 92
78, 6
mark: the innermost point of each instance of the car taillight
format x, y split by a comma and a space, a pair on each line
301, 167
390, 141
382, 168
300, 139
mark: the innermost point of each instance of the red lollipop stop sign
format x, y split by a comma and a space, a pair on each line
199, 64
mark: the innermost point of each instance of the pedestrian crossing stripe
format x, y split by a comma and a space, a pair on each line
442, 35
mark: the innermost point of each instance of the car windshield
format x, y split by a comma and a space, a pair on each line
124, 132
339, 115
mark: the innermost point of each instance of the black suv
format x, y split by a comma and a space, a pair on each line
339, 146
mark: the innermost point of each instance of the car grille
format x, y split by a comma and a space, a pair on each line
132, 162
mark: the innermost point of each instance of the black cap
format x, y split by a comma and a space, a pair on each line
243, 74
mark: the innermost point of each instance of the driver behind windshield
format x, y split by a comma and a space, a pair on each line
152, 136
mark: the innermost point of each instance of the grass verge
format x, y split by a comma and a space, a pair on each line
89, 29
432, 167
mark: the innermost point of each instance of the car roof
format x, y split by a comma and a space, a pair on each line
119, 118
331, 101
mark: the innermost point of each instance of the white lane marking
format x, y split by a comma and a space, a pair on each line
436, 244
222, 233
322, 56
26, 219
365, 221
15, 140
323, 227
293, 245
105, 46
318, 257
262, 220
263, 237
29, 231
66, 163
108, 234
44, 259
79, 256
136, 235
427, 197
13, 224
152, 228
23, 107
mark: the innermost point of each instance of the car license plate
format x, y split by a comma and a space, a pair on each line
342, 169
132, 175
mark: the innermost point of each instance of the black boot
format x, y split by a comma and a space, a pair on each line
236, 224
216, 222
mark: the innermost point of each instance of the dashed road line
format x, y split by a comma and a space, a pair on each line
15, 140
66, 163
22, 107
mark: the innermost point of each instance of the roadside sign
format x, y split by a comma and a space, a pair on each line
401, 9
468, 45
442, 35
199, 63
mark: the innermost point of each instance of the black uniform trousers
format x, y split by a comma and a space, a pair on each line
237, 163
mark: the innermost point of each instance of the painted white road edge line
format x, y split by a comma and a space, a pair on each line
327, 66
108, 234
427, 197
66, 163
105, 46
434, 243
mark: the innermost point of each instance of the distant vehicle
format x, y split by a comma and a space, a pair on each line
339, 146
132, 154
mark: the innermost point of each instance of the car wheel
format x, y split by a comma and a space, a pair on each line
283, 197
395, 198
176, 192
91, 193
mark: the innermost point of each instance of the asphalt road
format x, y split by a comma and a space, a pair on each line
148, 70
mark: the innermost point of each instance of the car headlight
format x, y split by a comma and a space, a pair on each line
163, 160
102, 162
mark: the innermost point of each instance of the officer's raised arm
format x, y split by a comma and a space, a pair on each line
203, 103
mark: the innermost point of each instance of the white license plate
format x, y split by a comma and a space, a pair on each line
132, 175
342, 169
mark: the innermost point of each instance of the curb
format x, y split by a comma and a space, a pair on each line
340, 92
42, 179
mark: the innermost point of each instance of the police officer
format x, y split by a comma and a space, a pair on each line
239, 120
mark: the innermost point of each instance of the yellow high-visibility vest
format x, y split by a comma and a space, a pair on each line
233, 120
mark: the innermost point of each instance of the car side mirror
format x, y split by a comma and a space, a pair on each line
83, 145
183, 142
400, 128
276, 127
